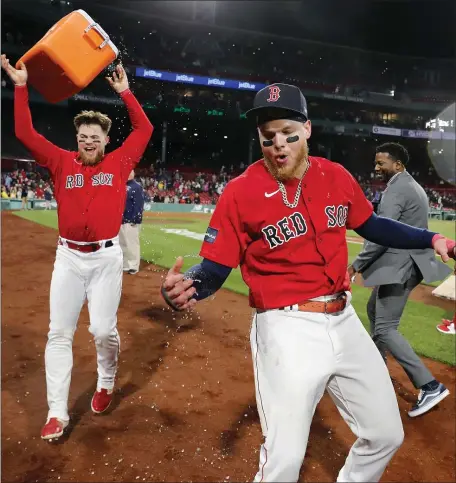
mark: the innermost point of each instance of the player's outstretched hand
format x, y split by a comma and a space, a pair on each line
18, 76
119, 79
446, 248
176, 291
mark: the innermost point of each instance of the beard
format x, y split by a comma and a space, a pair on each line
287, 172
89, 160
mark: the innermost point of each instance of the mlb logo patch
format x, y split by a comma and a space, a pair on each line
211, 235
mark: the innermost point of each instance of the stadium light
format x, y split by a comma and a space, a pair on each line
184, 129
225, 137
196, 134
442, 143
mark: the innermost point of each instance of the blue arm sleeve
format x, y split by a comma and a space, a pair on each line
208, 277
394, 234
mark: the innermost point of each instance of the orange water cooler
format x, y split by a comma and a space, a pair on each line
71, 54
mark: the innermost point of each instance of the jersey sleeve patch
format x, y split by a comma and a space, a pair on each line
211, 235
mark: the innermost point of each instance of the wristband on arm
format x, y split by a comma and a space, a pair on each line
451, 244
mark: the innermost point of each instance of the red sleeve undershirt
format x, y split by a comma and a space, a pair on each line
44, 152
136, 143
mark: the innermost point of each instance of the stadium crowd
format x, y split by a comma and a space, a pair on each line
187, 186
27, 184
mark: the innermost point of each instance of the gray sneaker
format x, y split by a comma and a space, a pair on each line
428, 399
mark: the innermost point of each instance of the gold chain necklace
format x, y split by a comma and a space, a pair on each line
298, 191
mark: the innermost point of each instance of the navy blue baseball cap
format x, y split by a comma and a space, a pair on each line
278, 101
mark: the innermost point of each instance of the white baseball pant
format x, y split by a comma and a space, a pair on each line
129, 242
96, 276
296, 356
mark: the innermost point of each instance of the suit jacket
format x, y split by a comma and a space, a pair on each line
406, 201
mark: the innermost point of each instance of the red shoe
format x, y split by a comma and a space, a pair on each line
53, 428
447, 329
446, 322
101, 400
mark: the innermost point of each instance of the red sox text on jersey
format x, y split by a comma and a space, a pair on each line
295, 225
77, 180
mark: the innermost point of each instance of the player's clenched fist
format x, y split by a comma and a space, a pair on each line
18, 76
176, 290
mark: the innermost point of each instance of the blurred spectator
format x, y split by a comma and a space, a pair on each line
24, 198
131, 225
48, 197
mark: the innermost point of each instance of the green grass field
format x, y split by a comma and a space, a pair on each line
160, 246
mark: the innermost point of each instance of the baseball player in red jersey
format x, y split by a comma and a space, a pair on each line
90, 193
284, 221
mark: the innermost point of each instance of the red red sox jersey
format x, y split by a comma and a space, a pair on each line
90, 199
287, 255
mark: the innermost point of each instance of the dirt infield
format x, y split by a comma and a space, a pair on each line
184, 407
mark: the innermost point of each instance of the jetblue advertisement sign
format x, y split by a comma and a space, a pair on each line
412, 133
419, 134
198, 80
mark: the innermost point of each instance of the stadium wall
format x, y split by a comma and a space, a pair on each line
14, 205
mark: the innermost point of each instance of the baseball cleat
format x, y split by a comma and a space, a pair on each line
445, 328
53, 428
101, 400
428, 399
446, 322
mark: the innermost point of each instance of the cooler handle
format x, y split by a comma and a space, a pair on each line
98, 28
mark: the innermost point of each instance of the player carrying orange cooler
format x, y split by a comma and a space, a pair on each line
90, 194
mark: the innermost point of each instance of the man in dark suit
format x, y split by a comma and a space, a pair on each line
131, 226
395, 273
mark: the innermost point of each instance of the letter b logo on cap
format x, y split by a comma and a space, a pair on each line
274, 93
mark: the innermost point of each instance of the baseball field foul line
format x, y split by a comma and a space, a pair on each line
200, 236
